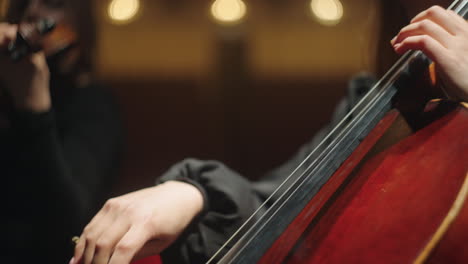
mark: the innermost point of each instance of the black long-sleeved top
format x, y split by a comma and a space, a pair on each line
230, 198
55, 166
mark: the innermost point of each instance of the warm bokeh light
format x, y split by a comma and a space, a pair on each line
228, 11
327, 12
3, 9
122, 11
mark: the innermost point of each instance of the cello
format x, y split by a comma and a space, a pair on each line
389, 186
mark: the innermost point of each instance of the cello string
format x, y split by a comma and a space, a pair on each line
296, 179
383, 84
339, 132
390, 78
386, 81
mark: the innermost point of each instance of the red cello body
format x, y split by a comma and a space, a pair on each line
405, 204
389, 183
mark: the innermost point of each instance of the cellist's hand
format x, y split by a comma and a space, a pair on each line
443, 36
138, 224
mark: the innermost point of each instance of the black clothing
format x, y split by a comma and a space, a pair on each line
55, 166
231, 199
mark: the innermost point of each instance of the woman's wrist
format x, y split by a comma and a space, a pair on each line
37, 102
192, 193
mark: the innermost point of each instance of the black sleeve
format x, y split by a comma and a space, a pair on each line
229, 201
61, 161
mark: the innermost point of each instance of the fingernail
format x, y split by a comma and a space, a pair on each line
397, 48
72, 261
393, 40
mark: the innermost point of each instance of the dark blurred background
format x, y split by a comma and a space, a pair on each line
243, 82
246, 92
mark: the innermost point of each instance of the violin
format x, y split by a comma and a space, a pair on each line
55, 40
44, 34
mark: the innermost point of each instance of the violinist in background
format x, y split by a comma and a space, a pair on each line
197, 205
60, 135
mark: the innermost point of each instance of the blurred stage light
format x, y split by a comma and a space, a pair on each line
123, 11
327, 12
228, 11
